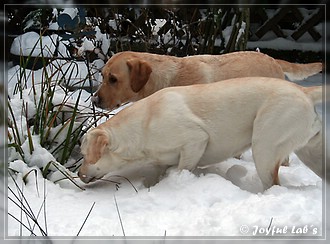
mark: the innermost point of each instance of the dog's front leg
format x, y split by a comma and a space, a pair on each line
153, 175
192, 152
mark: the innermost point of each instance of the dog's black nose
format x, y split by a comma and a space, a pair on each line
84, 178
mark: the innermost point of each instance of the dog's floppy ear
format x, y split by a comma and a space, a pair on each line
139, 73
94, 147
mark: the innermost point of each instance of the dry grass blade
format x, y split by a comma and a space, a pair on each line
69, 177
22, 224
23, 204
121, 222
86, 219
36, 175
119, 176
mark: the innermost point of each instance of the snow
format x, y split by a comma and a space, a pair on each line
224, 200
103, 39
241, 31
182, 204
74, 73
29, 44
87, 45
285, 44
40, 156
72, 12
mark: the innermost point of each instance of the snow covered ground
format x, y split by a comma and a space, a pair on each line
222, 201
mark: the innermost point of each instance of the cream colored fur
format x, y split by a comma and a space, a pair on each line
199, 125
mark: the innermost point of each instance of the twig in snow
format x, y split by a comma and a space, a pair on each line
121, 222
119, 176
86, 219
20, 203
22, 224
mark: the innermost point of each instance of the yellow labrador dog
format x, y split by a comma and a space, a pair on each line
203, 124
130, 76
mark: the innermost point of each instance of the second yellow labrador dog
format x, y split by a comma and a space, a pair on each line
130, 76
199, 125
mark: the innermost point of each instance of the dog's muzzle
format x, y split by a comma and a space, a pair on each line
84, 178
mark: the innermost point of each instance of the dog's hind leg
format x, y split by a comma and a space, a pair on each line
277, 132
267, 165
311, 154
276, 180
271, 146
286, 162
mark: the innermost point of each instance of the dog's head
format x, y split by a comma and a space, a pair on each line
98, 157
124, 75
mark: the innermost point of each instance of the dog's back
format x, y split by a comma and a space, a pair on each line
203, 124
273, 116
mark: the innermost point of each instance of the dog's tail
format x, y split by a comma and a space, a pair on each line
314, 92
299, 71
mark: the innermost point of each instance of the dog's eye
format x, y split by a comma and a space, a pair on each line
112, 79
